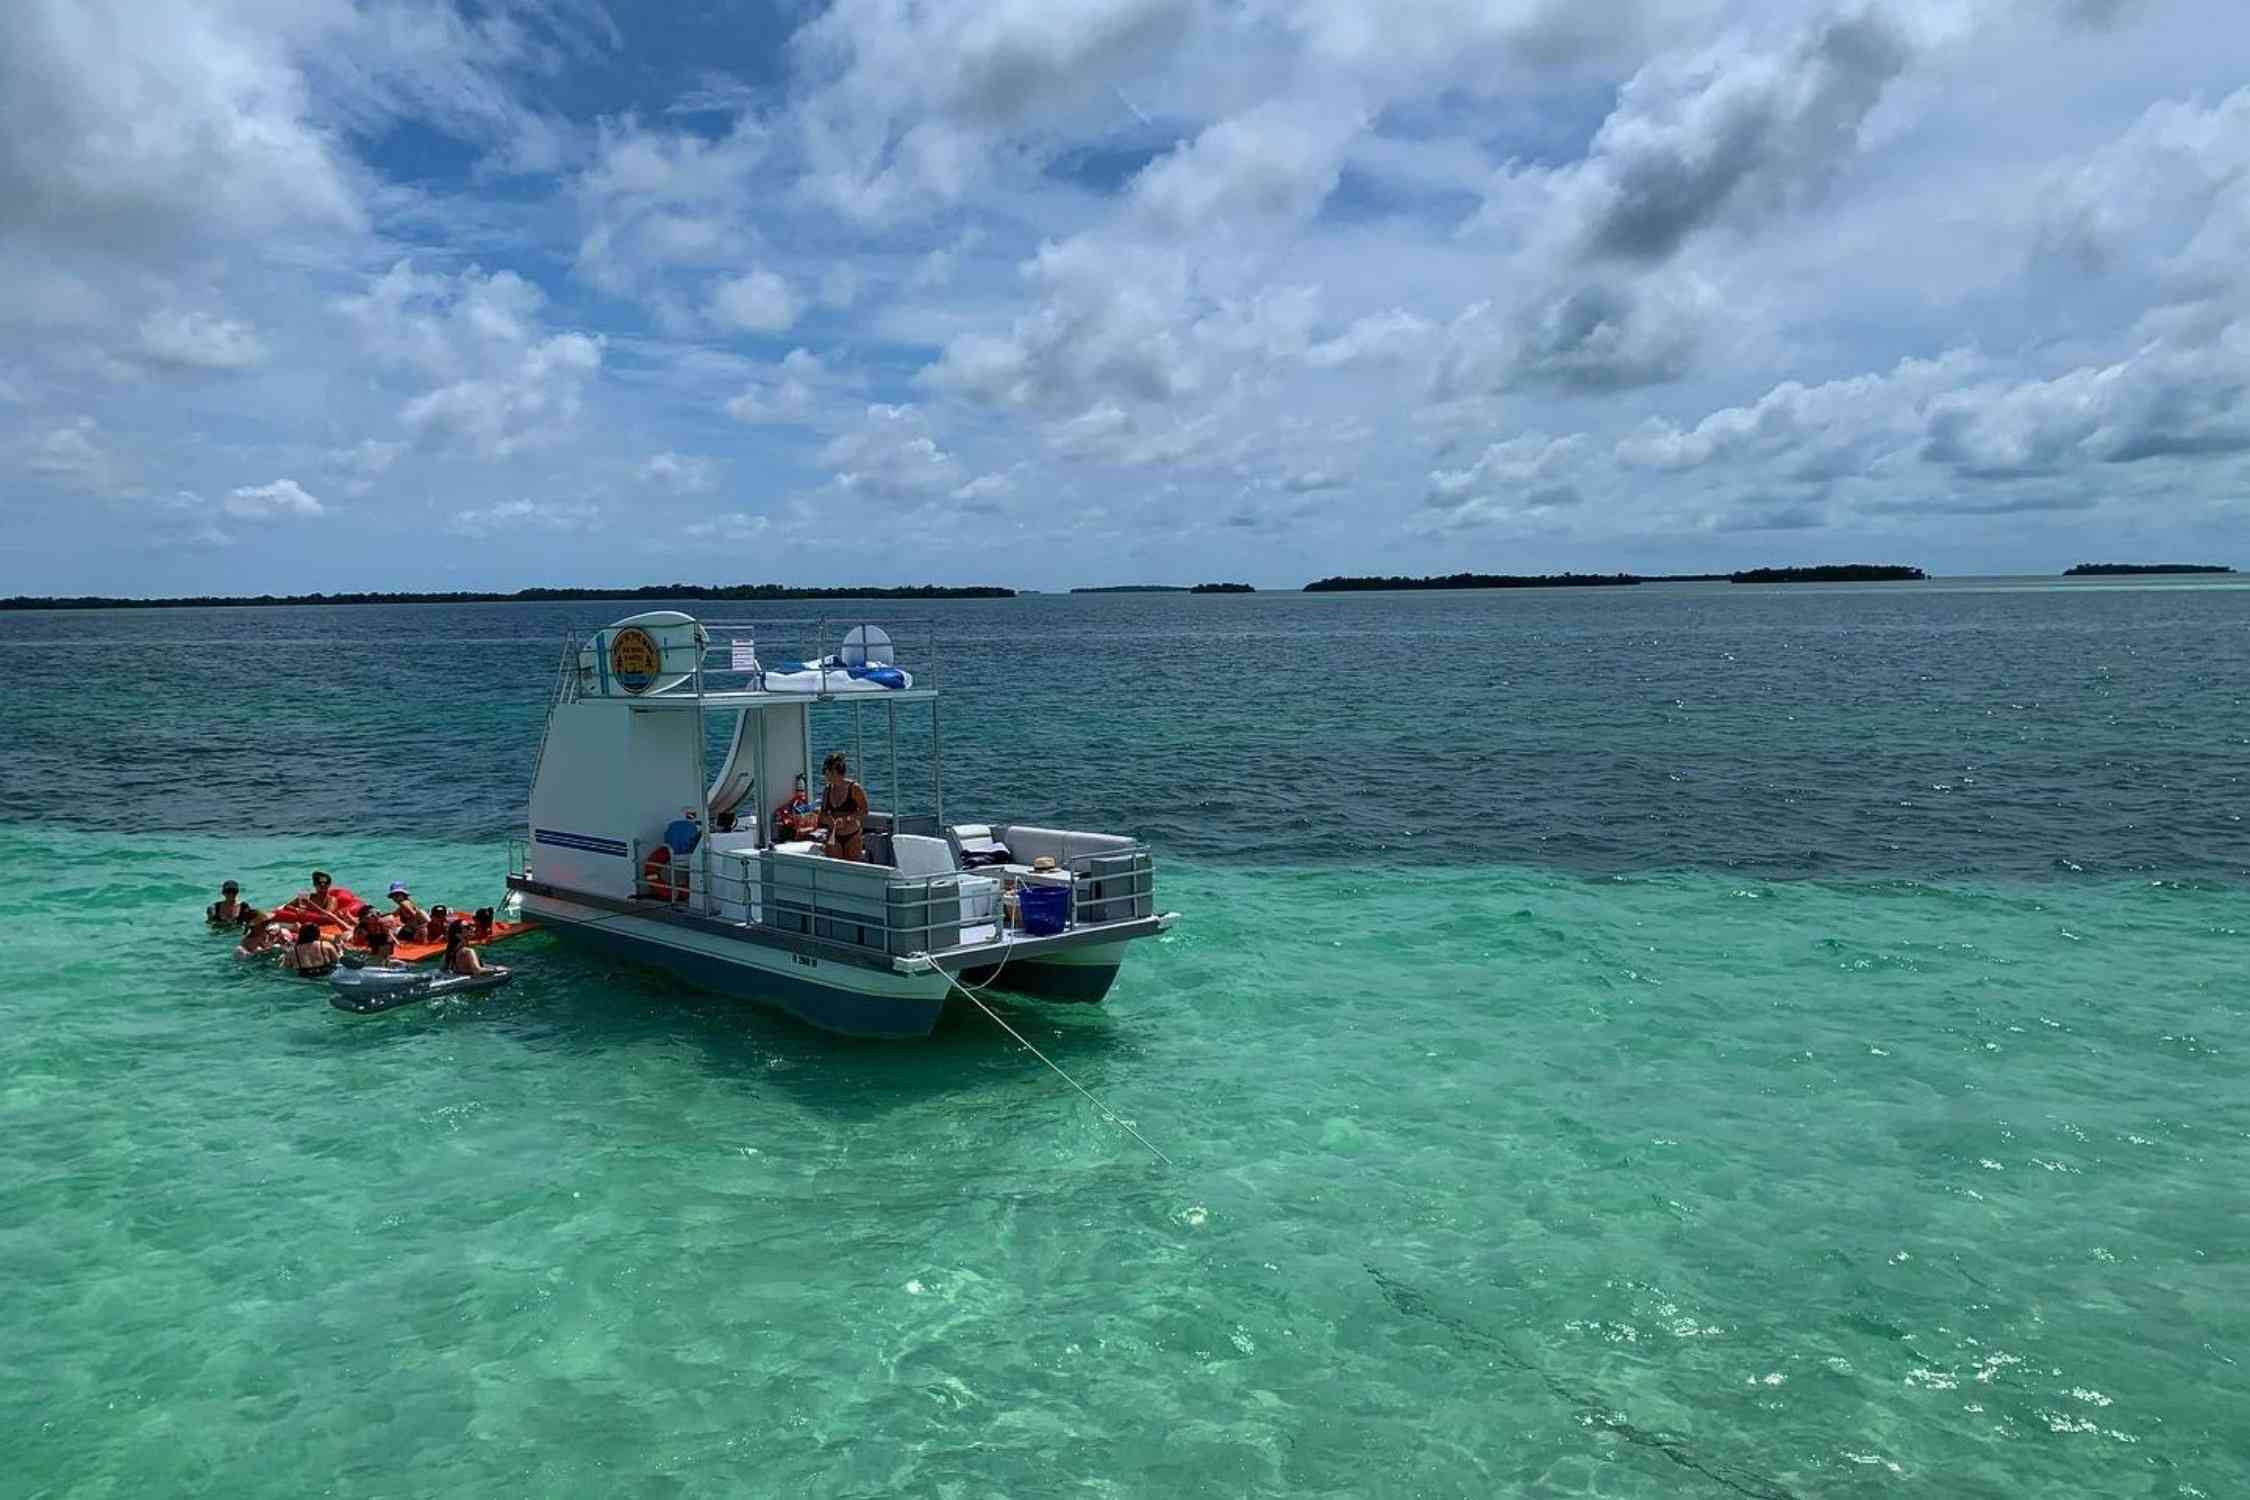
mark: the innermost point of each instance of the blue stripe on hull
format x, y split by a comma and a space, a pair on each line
840, 1011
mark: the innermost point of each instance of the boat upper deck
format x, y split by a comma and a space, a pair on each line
665, 659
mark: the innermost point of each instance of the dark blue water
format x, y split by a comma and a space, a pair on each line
1929, 731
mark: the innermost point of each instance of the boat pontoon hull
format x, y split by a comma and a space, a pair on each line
1081, 976
841, 998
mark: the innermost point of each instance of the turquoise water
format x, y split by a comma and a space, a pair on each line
1491, 1175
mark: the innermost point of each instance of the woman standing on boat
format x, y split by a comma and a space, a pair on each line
843, 810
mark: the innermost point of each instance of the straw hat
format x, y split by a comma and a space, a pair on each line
1043, 862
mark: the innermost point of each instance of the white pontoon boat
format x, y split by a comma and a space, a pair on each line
866, 949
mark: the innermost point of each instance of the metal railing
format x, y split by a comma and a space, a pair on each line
705, 661
1111, 886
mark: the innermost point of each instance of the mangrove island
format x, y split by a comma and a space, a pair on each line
1831, 573
2131, 570
658, 591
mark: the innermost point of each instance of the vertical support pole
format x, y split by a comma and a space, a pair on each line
898, 803
937, 764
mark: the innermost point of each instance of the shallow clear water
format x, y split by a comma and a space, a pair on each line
1492, 1175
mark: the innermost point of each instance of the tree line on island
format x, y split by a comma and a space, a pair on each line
1168, 588
2113, 570
769, 592
1825, 573
756, 592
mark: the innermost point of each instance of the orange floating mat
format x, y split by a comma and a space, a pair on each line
415, 952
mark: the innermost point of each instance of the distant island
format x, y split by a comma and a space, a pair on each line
1222, 588
2117, 570
1136, 588
1830, 573
1470, 581
732, 591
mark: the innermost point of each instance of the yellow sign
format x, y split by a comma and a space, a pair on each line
635, 660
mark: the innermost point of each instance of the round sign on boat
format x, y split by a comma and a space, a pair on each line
635, 660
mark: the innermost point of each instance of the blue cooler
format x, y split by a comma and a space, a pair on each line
1045, 908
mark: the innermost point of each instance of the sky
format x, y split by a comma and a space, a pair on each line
407, 294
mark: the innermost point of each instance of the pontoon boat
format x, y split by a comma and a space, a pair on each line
869, 948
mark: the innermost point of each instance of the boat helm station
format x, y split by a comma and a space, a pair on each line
872, 947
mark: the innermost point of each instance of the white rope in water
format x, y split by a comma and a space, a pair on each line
1107, 1113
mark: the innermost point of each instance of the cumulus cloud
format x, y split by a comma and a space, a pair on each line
1528, 472
71, 458
1274, 164
505, 383
653, 201
786, 393
132, 124
1109, 319
1378, 338
2158, 404
681, 473
1727, 134
200, 341
891, 454
758, 302
366, 459
525, 515
1598, 336
1807, 432
283, 497
908, 101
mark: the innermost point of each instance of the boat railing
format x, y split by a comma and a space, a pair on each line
876, 908
1115, 885
738, 653
730, 656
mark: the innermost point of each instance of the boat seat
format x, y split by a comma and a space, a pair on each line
974, 846
919, 855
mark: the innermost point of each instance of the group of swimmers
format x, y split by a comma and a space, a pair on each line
314, 956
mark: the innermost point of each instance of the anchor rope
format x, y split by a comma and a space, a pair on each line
1109, 1114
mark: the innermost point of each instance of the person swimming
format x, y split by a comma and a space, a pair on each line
312, 956
326, 896
412, 922
228, 909
382, 949
459, 957
259, 940
371, 926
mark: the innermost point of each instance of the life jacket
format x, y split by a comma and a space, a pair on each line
658, 876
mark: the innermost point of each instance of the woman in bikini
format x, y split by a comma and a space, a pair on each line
459, 957
843, 811
411, 921
313, 957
